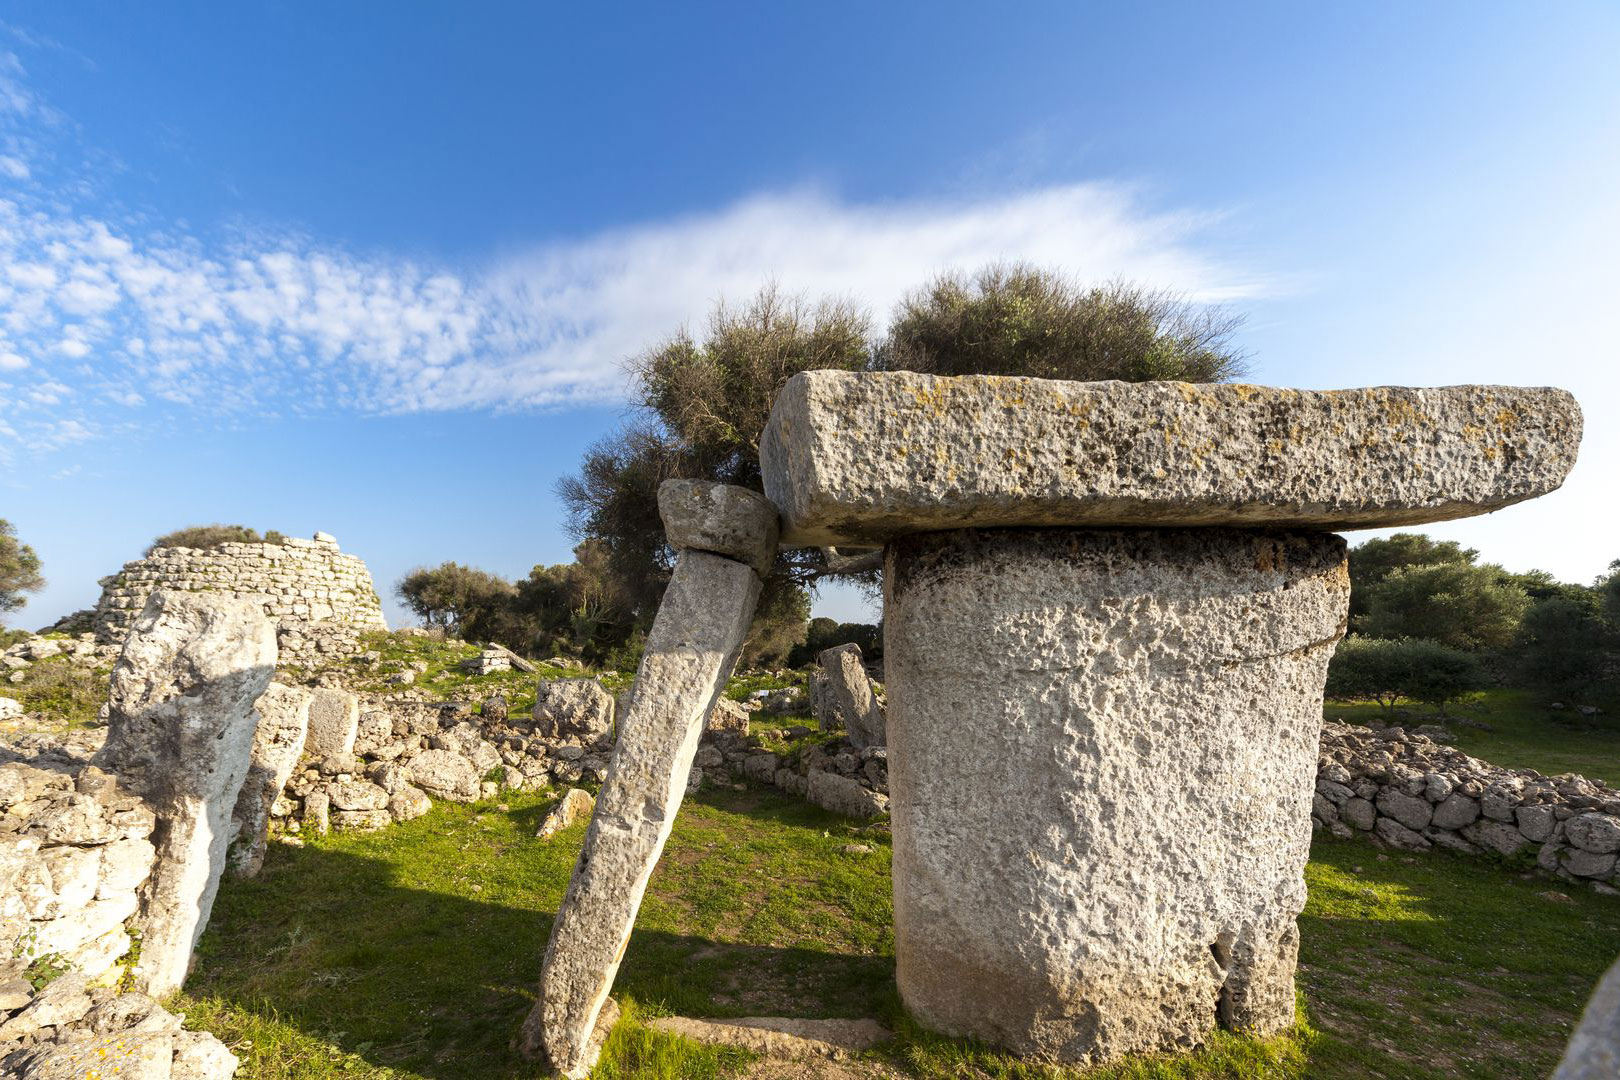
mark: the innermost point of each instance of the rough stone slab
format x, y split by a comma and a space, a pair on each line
853, 458
180, 733
277, 742
781, 1036
720, 518
842, 795
852, 695
1593, 1052
334, 723
701, 623
1149, 703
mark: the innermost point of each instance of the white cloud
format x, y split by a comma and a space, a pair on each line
255, 319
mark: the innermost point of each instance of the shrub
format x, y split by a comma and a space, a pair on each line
204, 537
1386, 670
1019, 319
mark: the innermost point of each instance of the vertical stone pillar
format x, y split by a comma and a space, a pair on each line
180, 734
1101, 751
278, 740
726, 539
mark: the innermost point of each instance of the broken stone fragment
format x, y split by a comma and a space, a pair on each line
695, 638
1154, 698
720, 518
573, 806
851, 695
180, 734
860, 458
572, 708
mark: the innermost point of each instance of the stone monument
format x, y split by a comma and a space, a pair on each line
1119, 600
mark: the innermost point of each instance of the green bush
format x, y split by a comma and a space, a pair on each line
1385, 670
829, 634
1456, 604
204, 537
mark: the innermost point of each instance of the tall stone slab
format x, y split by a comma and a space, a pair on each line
334, 722
180, 734
1593, 1052
851, 695
277, 743
1153, 698
699, 630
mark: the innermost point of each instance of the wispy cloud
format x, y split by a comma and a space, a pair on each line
104, 318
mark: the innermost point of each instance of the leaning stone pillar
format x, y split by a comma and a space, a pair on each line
1110, 608
726, 539
1102, 745
180, 734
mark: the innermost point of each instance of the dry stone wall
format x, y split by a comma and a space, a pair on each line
321, 598
1409, 792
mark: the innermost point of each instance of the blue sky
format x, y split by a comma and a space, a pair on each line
371, 268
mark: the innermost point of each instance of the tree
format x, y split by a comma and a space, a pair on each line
1457, 604
826, 634
704, 405
212, 536
468, 603
1565, 646
1386, 670
19, 569
1373, 560
1017, 319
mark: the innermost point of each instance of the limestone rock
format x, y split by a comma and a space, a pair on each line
572, 708
720, 518
408, 803
727, 715
851, 695
576, 804
334, 723
446, 774
277, 743
1597, 833
180, 732
695, 639
1154, 699
844, 796
860, 458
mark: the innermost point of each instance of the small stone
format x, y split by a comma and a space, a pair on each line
576, 804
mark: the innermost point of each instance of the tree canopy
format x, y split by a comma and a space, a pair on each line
19, 569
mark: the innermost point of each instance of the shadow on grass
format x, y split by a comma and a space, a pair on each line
422, 955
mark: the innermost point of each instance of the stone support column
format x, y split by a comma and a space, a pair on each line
726, 538
1101, 753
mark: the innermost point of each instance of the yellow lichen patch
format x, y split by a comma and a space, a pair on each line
1507, 418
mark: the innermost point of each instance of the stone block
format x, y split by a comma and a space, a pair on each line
860, 458
334, 723
843, 796
720, 518
851, 695
1154, 699
278, 740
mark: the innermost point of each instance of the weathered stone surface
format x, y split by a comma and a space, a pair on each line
1455, 812
1593, 1052
860, 458
573, 806
334, 723
720, 518
1597, 833
1412, 812
572, 708
842, 795
446, 774
701, 622
180, 733
130, 1037
1154, 698
277, 742
851, 695
728, 716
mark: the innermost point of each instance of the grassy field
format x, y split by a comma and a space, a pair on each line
1522, 733
413, 952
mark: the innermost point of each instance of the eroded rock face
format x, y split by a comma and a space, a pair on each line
334, 722
180, 733
572, 708
860, 458
1153, 696
277, 742
701, 622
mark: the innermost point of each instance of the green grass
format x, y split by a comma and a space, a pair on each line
1524, 733
413, 952
67, 693
443, 676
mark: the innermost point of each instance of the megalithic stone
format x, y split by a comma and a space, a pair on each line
699, 630
851, 690
1593, 1052
277, 743
180, 734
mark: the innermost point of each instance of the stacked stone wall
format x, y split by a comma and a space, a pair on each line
1409, 792
321, 598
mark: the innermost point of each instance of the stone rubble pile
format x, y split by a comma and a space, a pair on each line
1413, 793
74, 1031
82, 650
321, 598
